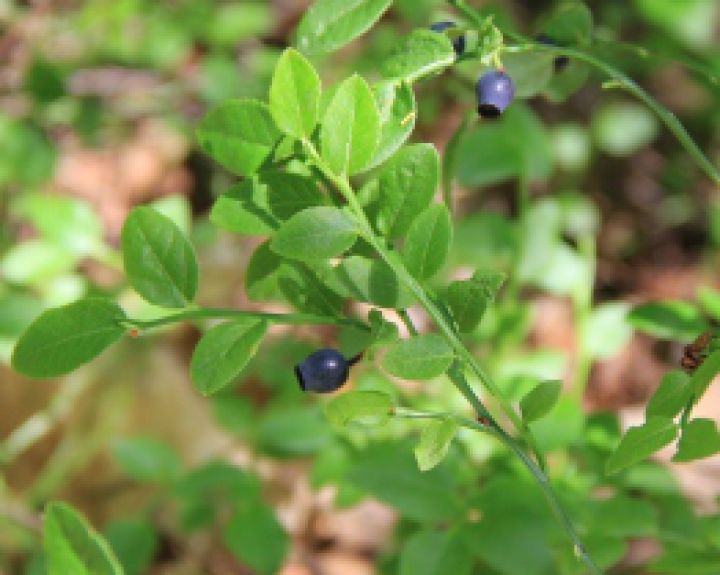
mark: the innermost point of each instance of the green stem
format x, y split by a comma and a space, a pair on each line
538, 474
218, 313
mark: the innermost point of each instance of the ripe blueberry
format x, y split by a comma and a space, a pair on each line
458, 41
560, 62
495, 91
324, 371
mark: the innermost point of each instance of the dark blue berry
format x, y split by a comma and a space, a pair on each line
560, 62
458, 42
324, 371
495, 91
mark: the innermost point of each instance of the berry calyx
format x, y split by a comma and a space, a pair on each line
495, 92
458, 39
324, 371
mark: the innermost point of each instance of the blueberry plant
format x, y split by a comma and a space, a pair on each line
347, 210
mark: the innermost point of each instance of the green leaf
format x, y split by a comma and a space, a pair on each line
428, 242
434, 443
420, 53
159, 261
292, 430
396, 105
257, 205
244, 209
367, 407
73, 546
295, 95
407, 185
135, 543
705, 374
671, 396
419, 357
290, 193
641, 441
62, 339
389, 472
350, 130
239, 135
315, 234
470, 299
370, 281
330, 24
530, 71
210, 490
540, 400
669, 319
492, 152
700, 438
435, 552
261, 274
622, 516
146, 459
256, 538
223, 352
570, 24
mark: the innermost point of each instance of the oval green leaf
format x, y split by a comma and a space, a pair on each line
419, 357
369, 407
540, 400
73, 546
407, 185
62, 339
640, 442
295, 95
420, 53
669, 319
370, 281
396, 104
700, 438
315, 234
434, 443
330, 24
469, 299
428, 242
239, 135
671, 396
223, 352
159, 261
350, 128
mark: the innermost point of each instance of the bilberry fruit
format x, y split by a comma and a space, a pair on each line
324, 371
495, 91
560, 62
458, 42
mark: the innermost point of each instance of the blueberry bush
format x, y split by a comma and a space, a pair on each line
358, 233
